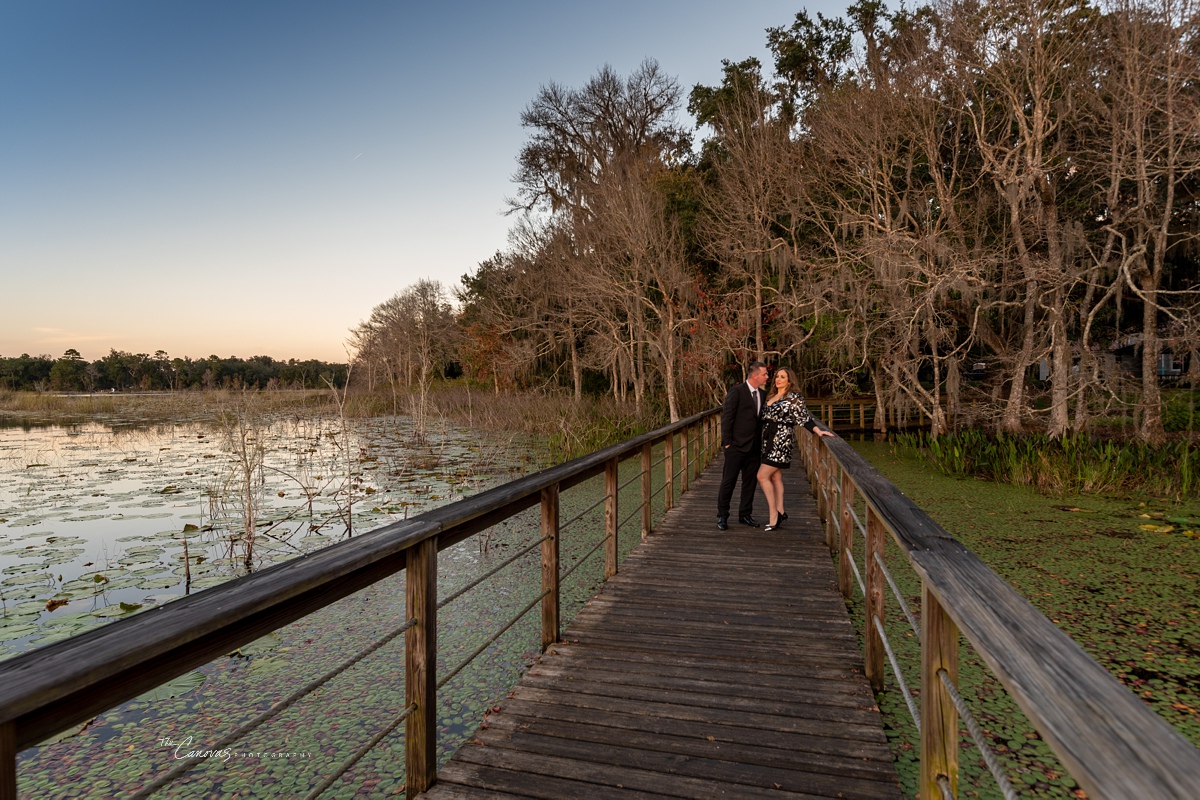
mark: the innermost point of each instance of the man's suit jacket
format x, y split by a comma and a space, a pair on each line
739, 418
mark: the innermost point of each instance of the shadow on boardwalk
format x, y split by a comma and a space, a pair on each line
715, 665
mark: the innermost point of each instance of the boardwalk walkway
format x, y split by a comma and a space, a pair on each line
715, 665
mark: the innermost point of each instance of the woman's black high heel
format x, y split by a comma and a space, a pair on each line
770, 526
782, 518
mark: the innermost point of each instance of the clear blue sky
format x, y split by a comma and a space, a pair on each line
243, 178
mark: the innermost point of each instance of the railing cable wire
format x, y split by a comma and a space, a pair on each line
908, 698
460, 592
899, 597
585, 557
187, 763
630, 516
636, 476
491, 640
862, 587
580, 515
989, 756
858, 521
360, 752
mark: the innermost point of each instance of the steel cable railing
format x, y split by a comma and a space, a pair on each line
363, 749
584, 557
988, 755
186, 764
985, 750
912, 621
581, 514
463, 590
491, 640
908, 698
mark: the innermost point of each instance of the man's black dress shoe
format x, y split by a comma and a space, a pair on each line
722, 523
748, 521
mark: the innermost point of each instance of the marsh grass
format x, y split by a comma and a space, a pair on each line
567, 428
162, 407
1073, 464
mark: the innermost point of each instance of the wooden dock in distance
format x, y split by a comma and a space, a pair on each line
714, 665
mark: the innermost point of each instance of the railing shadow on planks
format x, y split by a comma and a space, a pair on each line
55, 687
1113, 744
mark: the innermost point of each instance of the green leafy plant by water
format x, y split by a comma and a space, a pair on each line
1072, 464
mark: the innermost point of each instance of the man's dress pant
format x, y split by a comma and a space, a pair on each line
737, 463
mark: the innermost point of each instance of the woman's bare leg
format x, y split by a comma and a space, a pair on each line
777, 480
766, 479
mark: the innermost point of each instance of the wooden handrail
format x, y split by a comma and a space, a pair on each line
1113, 744
52, 688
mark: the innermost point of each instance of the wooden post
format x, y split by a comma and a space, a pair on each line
862, 414
669, 472
705, 447
874, 643
822, 478
846, 537
8, 761
420, 666
550, 566
814, 469
646, 460
685, 440
831, 512
939, 719
610, 516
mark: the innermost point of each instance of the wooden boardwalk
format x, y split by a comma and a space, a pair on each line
714, 665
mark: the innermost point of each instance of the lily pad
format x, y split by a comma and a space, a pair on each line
74, 730
174, 688
258, 646
10, 632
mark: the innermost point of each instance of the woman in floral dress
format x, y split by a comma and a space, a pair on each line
784, 411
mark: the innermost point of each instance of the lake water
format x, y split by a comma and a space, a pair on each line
99, 517
94, 520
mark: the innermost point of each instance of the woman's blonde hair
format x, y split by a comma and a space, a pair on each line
791, 382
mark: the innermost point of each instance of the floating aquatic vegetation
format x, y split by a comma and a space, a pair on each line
1123, 589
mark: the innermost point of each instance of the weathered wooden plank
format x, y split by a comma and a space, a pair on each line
617, 776
868, 757
687, 681
547, 787
710, 761
671, 710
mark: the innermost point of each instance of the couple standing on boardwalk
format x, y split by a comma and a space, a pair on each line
757, 432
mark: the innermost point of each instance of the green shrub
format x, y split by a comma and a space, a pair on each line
1072, 464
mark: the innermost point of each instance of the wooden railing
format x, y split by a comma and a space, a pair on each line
1112, 743
50, 689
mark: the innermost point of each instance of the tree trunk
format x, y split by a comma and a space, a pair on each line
1060, 377
1151, 429
1015, 407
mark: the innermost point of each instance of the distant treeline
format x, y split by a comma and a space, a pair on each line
128, 371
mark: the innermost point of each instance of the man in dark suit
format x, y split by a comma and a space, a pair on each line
741, 441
